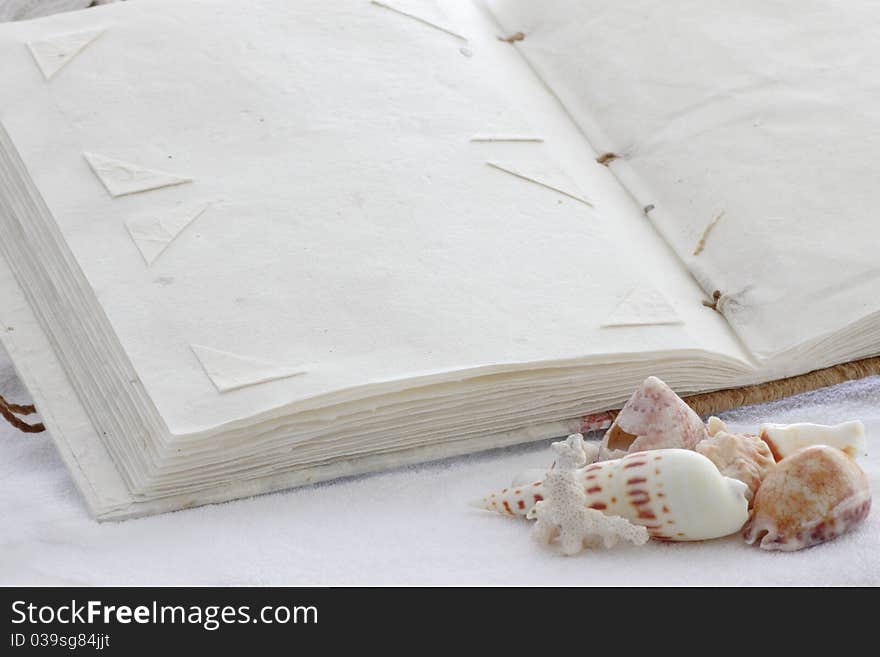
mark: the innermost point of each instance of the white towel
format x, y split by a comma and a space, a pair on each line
410, 526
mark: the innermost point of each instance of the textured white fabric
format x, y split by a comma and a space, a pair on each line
410, 526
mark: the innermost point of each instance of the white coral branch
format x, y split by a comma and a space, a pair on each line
563, 515
593, 530
613, 529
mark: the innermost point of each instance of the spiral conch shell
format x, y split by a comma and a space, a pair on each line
653, 418
676, 494
739, 456
809, 497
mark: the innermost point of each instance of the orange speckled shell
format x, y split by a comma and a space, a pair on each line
812, 496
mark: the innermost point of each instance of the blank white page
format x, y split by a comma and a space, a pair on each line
319, 217
761, 117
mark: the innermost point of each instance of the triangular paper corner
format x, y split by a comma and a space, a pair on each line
121, 178
642, 306
543, 174
427, 12
54, 53
229, 371
152, 235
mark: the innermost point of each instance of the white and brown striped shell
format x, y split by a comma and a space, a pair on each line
809, 497
676, 494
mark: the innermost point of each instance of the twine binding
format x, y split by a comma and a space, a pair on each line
10, 413
718, 401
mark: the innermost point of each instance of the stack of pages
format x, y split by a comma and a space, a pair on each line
247, 246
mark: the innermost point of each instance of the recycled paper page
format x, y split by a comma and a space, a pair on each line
274, 201
749, 128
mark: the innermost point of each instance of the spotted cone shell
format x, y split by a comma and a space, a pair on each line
676, 494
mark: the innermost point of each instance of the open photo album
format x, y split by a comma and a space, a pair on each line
246, 246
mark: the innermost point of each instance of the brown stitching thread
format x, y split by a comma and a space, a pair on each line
702, 243
716, 297
8, 410
606, 158
519, 36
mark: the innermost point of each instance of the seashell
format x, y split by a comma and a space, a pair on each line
739, 456
676, 494
786, 439
714, 425
653, 418
809, 497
